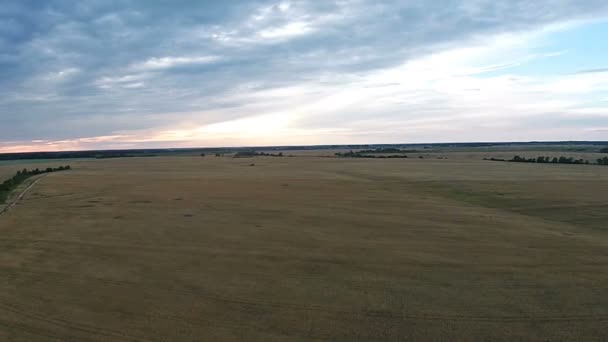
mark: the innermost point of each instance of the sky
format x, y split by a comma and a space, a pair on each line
114, 74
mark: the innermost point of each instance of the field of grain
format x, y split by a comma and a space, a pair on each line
307, 248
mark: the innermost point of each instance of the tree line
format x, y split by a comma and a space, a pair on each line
554, 160
246, 154
8, 185
362, 154
388, 150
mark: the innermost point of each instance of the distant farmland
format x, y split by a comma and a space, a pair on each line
308, 248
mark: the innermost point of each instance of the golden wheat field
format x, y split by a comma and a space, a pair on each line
307, 248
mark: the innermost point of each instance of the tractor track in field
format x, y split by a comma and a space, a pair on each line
91, 330
20, 197
350, 313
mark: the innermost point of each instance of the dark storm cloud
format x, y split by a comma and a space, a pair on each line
73, 69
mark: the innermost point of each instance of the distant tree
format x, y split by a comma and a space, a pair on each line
604, 150
202, 154
245, 154
555, 160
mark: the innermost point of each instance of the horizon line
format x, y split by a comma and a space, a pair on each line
601, 142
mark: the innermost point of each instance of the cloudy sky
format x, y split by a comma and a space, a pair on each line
133, 74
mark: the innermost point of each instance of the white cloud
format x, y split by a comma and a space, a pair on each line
62, 74
133, 85
293, 29
278, 23
126, 81
341, 71
159, 63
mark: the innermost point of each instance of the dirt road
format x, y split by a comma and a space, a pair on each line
16, 200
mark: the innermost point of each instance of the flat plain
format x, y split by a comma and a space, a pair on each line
307, 248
